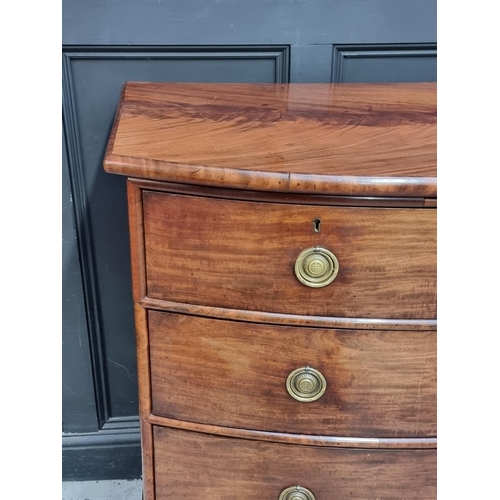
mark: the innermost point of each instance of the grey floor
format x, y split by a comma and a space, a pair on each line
102, 490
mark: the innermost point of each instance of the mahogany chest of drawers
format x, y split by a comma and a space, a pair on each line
283, 242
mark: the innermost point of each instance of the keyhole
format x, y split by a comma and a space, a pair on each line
317, 225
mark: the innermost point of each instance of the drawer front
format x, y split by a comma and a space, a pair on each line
241, 255
195, 466
234, 374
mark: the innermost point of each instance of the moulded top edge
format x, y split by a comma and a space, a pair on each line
356, 139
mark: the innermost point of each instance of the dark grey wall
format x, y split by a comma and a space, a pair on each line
107, 43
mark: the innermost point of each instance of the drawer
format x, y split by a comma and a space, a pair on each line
195, 466
234, 374
242, 255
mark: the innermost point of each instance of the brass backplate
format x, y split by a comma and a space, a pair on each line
316, 267
306, 384
297, 493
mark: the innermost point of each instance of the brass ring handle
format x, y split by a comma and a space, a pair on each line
296, 493
316, 267
306, 384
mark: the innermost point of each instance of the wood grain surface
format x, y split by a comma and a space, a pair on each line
227, 373
148, 462
290, 319
195, 466
241, 255
355, 139
300, 439
142, 344
136, 234
290, 198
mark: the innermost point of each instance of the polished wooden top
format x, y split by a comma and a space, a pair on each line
354, 139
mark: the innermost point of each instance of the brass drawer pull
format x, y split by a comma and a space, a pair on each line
316, 267
296, 493
306, 384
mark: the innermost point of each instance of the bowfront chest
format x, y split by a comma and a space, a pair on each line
283, 242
